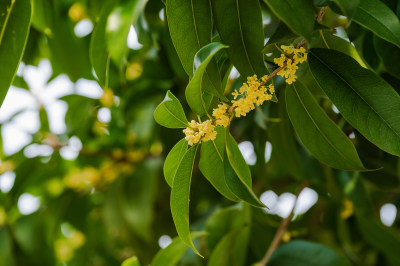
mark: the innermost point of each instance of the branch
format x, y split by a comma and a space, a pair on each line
321, 14
281, 231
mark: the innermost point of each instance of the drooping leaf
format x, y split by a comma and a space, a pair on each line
190, 26
169, 113
320, 135
365, 100
232, 248
377, 17
304, 253
389, 54
119, 22
170, 255
15, 19
180, 197
297, 15
237, 173
348, 7
173, 159
212, 163
194, 90
239, 24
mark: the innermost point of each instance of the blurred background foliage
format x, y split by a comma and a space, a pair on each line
93, 192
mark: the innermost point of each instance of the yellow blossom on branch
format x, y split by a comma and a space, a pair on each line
197, 132
289, 60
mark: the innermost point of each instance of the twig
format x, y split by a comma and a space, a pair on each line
281, 231
321, 14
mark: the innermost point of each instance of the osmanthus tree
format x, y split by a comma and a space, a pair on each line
316, 81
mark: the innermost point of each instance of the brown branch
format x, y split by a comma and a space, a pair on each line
321, 14
281, 231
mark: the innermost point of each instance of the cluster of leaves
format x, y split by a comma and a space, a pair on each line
335, 129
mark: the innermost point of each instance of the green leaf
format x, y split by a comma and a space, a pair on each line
42, 16
239, 24
348, 7
99, 55
365, 100
133, 261
237, 173
180, 197
330, 41
283, 140
170, 255
169, 113
190, 26
194, 90
212, 163
389, 54
15, 20
304, 253
232, 249
377, 17
383, 239
319, 134
118, 25
298, 15
173, 159
225, 220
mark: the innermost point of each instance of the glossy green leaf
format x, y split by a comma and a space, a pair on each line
173, 159
330, 41
320, 135
232, 249
212, 163
297, 15
383, 239
304, 253
15, 19
348, 7
170, 255
194, 90
119, 22
389, 54
133, 261
239, 24
190, 26
365, 100
377, 17
99, 55
180, 196
237, 173
169, 113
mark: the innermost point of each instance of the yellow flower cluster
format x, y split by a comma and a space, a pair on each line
252, 92
197, 132
222, 118
289, 61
